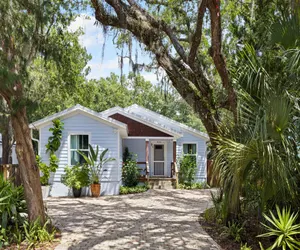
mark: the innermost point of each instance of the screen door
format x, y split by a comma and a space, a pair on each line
159, 159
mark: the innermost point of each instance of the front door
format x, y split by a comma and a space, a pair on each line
158, 162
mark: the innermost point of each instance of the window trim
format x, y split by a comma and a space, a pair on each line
69, 143
196, 143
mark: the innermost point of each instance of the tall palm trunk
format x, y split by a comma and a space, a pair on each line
29, 171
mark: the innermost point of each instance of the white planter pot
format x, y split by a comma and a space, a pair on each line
45, 191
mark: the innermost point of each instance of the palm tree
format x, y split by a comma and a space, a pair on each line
261, 150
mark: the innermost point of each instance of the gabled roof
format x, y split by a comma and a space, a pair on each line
146, 111
78, 109
143, 120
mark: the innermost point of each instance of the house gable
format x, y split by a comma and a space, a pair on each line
136, 128
165, 121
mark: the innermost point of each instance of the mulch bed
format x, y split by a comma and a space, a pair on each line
216, 230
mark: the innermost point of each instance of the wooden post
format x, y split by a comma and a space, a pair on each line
147, 158
174, 151
147, 151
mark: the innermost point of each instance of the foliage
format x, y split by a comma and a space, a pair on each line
245, 247
47, 169
196, 185
261, 148
130, 173
13, 210
133, 190
217, 199
187, 170
127, 156
284, 228
76, 176
234, 230
210, 214
52, 146
199, 70
54, 140
95, 165
36, 233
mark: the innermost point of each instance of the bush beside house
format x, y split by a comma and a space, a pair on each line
130, 175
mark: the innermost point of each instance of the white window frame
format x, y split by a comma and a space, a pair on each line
196, 154
69, 144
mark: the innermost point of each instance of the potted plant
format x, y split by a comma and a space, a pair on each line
76, 177
46, 171
96, 167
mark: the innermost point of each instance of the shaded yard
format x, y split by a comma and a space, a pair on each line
157, 219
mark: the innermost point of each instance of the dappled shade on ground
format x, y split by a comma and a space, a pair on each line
157, 219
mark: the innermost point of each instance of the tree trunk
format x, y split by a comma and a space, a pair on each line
27, 163
7, 141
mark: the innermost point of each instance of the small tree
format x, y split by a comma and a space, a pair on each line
187, 172
127, 155
52, 146
130, 171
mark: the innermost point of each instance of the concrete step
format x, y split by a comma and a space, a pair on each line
161, 183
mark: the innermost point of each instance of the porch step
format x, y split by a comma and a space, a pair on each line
161, 183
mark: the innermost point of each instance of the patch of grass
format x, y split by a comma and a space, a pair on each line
133, 190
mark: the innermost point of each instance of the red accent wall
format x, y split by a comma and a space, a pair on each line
138, 129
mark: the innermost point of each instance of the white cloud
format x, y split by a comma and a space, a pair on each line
92, 33
149, 76
104, 69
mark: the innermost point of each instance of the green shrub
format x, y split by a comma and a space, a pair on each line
47, 169
234, 230
196, 185
187, 171
130, 173
52, 146
13, 210
283, 229
133, 190
36, 233
217, 199
210, 214
127, 156
76, 176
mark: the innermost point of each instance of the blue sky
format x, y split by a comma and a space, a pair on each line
93, 41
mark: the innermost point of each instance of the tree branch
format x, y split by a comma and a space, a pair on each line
103, 17
216, 53
196, 40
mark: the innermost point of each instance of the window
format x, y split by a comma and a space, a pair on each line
189, 149
78, 143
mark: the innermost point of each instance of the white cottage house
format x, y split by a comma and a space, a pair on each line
157, 141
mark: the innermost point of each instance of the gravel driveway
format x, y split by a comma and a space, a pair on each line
157, 219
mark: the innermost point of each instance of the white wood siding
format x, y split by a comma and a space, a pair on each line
137, 147
99, 134
201, 174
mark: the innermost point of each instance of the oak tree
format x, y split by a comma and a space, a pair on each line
172, 31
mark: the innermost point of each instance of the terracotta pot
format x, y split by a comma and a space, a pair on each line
95, 189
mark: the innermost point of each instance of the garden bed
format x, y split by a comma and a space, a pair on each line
133, 190
197, 185
40, 246
226, 239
